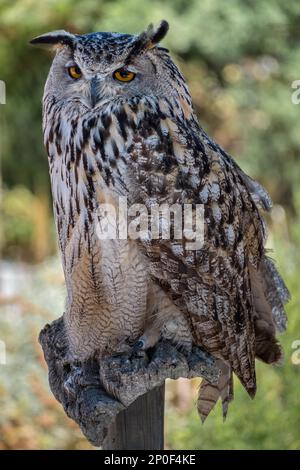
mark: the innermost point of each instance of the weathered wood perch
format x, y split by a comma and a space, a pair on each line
93, 393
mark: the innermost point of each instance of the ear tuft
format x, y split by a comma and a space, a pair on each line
54, 38
147, 40
157, 34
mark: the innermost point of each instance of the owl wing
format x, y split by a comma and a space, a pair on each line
228, 289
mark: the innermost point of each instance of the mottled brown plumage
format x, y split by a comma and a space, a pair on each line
141, 140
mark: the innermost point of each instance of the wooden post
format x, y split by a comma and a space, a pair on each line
141, 425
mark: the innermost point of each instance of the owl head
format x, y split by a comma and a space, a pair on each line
95, 68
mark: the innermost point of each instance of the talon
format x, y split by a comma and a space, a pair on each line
138, 346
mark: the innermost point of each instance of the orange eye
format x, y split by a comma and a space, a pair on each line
123, 75
74, 72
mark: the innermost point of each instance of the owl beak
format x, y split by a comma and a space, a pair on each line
95, 86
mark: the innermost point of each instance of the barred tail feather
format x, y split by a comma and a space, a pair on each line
209, 393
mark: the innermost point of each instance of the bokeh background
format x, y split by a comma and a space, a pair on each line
240, 58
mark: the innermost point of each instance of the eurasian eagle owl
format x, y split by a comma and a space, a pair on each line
119, 124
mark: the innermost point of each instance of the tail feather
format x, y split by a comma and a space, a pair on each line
209, 393
227, 394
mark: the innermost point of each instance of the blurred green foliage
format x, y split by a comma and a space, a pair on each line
240, 59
